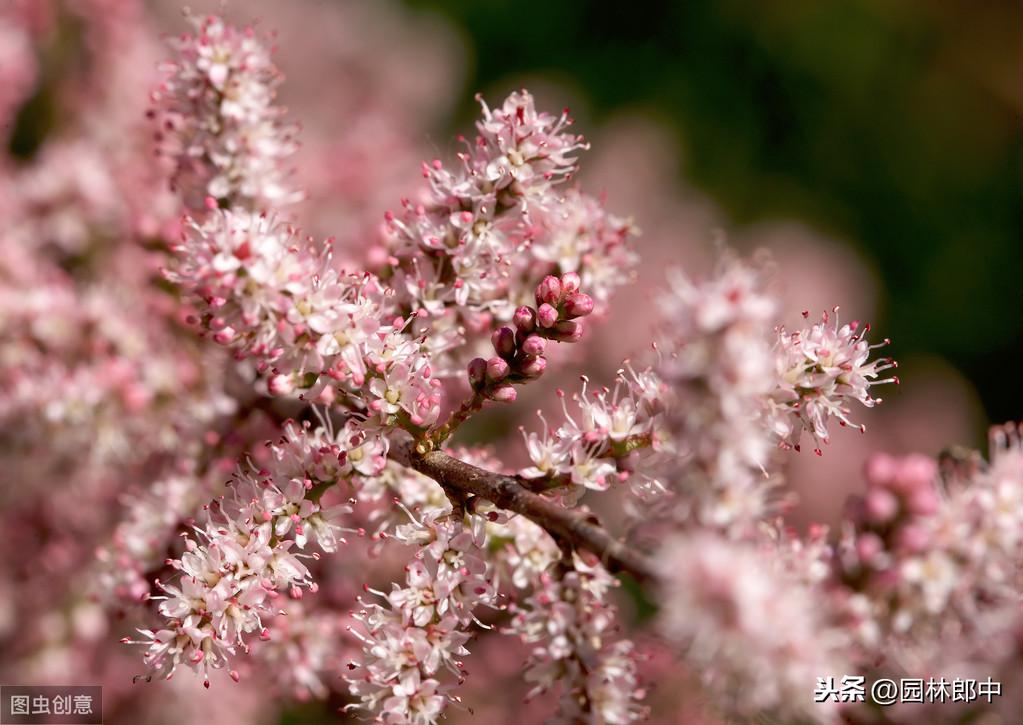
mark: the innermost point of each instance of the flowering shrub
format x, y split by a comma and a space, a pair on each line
146, 360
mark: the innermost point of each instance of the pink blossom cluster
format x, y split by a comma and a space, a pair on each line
277, 299
571, 624
929, 551
218, 122
422, 629
696, 429
757, 632
248, 551
467, 250
822, 370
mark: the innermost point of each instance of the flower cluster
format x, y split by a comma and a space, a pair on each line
467, 249
139, 543
422, 629
218, 122
699, 424
571, 624
305, 651
923, 553
277, 299
822, 369
613, 432
724, 600
248, 551
717, 361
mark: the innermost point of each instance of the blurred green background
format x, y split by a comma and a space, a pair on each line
896, 125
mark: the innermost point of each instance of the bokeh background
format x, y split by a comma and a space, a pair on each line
875, 147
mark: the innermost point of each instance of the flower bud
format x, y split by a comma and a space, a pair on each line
546, 316
497, 369
913, 538
477, 370
280, 385
570, 283
533, 367
504, 341
578, 305
923, 501
568, 331
534, 345
524, 319
868, 547
881, 505
549, 290
225, 336
503, 394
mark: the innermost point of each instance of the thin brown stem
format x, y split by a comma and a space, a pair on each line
579, 528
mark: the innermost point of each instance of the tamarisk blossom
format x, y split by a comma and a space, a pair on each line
693, 432
821, 370
569, 620
466, 250
422, 628
248, 551
925, 553
277, 298
140, 542
715, 358
217, 120
305, 650
723, 601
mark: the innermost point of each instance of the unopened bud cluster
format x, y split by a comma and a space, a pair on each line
520, 351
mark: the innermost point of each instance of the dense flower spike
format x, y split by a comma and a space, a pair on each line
822, 369
723, 601
218, 122
694, 432
420, 632
248, 551
569, 620
466, 251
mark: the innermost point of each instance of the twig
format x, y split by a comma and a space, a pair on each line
577, 527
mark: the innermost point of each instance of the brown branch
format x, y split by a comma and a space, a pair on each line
578, 528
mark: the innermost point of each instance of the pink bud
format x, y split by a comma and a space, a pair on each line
497, 369
533, 367
880, 469
280, 385
504, 341
524, 319
225, 336
578, 305
916, 472
568, 331
570, 283
534, 345
923, 501
477, 371
546, 316
881, 505
913, 538
549, 290
503, 394
868, 546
